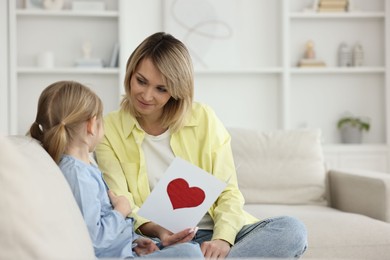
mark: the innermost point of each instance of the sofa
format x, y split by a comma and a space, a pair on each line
39, 217
346, 213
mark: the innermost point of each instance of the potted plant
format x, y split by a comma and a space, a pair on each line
351, 128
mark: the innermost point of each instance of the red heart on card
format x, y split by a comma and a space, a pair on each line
184, 196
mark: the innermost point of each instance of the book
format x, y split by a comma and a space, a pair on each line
114, 56
333, 5
336, 2
311, 63
331, 9
333, 1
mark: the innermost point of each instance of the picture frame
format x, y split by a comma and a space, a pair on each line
209, 36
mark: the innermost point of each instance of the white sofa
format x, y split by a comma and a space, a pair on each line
280, 173
347, 213
39, 217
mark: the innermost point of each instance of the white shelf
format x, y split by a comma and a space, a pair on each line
346, 15
68, 30
338, 70
66, 13
67, 70
261, 78
271, 70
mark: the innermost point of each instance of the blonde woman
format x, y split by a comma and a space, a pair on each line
69, 125
158, 120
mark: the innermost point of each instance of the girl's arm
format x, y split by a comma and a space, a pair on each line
104, 226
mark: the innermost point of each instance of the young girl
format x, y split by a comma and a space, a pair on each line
69, 126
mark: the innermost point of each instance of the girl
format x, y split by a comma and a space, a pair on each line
69, 126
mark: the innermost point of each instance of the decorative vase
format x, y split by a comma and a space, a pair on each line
358, 55
351, 135
344, 55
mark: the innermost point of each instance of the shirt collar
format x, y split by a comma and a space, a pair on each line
129, 122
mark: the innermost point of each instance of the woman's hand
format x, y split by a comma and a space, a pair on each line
120, 203
186, 235
145, 246
215, 249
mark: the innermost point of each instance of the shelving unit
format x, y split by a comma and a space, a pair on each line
267, 91
331, 91
255, 83
62, 32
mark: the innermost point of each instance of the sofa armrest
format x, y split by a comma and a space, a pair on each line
360, 191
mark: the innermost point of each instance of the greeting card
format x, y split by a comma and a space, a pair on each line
182, 196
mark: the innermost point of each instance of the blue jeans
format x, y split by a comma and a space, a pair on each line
279, 237
183, 250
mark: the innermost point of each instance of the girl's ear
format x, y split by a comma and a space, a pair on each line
91, 126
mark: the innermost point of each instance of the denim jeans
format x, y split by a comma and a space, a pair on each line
183, 250
279, 237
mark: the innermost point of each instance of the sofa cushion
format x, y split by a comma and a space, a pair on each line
39, 217
280, 167
333, 234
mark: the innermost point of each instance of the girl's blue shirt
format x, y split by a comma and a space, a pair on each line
111, 234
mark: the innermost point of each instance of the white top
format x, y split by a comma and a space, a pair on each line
158, 157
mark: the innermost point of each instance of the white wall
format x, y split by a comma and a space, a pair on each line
4, 67
133, 29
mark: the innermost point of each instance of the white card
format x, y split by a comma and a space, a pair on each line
182, 196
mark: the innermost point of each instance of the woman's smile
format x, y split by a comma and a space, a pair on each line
144, 104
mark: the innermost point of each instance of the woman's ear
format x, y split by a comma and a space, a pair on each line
91, 126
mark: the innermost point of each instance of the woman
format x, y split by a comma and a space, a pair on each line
158, 121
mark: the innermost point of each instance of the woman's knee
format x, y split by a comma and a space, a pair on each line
294, 225
295, 231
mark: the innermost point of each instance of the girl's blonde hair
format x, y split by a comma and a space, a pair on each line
172, 59
62, 108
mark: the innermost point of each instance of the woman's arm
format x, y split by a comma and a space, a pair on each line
227, 212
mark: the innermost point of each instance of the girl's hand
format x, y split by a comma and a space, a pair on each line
145, 246
215, 249
186, 235
120, 203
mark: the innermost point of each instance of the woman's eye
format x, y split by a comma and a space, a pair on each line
161, 89
141, 81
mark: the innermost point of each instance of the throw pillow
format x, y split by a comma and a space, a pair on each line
280, 167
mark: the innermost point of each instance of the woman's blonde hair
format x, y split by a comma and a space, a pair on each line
62, 107
172, 59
